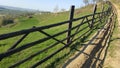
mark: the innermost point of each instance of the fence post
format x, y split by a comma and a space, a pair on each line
70, 23
94, 11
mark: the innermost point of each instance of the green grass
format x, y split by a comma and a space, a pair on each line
42, 20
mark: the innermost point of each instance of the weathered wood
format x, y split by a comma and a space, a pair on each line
70, 23
94, 11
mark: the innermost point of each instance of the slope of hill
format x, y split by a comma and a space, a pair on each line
1, 8
41, 20
47, 18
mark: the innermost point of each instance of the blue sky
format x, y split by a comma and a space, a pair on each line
46, 5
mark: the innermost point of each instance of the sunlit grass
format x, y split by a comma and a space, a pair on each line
42, 20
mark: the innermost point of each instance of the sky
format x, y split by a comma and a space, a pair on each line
42, 5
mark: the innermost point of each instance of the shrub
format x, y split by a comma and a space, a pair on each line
5, 20
1, 21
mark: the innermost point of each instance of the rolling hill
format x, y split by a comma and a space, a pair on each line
42, 20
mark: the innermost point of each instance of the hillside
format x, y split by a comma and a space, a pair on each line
4, 10
42, 20
45, 19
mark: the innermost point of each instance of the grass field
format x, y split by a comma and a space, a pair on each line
42, 20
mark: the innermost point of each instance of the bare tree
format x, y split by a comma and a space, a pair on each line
62, 10
100, 0
56, 9
86, 2
96, 1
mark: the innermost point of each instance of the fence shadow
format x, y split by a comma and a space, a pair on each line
94, 59
73, 47
80, 51
115, 39
2, 44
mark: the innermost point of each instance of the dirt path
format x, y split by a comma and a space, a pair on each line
80, 57
113, 56
97, 53
93, 53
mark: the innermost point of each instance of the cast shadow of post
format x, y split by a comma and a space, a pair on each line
81, 51
100, 48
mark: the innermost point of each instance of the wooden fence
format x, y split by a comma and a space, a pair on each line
96, 18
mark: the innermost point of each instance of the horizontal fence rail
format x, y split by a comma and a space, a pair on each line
91, 20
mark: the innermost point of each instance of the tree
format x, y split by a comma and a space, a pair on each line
86, 2
56, 9
96, 1
62, 10
99, 0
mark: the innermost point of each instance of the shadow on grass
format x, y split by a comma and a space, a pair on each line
114, 39
98, 55
2, 45
73, 48
94, 60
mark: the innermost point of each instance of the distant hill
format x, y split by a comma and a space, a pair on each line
1, 8
17, 11
8, 10
14, 8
